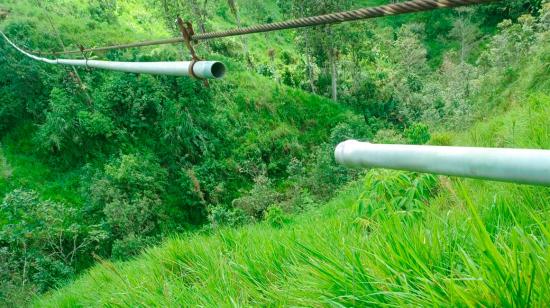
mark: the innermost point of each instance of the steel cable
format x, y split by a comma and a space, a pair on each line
359, 14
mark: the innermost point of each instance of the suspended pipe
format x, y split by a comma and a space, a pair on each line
525, 166
201, 69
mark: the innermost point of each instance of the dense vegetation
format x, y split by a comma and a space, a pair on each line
238, 174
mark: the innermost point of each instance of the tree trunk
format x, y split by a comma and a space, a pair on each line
308, 64
462, 45
332, 55
310, 73
334, 74
77, 78
233, 6
199, 16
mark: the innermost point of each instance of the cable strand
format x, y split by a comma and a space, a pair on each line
333, 18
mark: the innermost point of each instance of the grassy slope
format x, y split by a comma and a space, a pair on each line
471, 242
334, 254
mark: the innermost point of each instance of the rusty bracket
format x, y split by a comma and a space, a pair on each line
187, 32
85, 57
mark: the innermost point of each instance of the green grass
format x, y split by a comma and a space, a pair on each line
20, 166
394, 239
397, 239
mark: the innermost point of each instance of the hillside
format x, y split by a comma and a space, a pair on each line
456, 242
145, 157
394, 238
230, 195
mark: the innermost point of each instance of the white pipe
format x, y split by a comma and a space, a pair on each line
26, 53
526, 166
201, 69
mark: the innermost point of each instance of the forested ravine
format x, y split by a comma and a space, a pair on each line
230, 195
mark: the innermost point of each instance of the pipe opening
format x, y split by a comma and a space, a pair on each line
218, 70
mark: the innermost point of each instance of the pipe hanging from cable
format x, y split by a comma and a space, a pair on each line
201, 69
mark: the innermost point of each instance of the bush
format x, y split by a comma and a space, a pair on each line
43, 242
418, 133
130, 246
259, 198
303, 201
104, 10
60, 130
221, 216
389, 136
389, 191
128, 191
276, 217
325, 175
445, 139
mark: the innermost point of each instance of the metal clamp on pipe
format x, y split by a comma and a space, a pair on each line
187, 32
527, 166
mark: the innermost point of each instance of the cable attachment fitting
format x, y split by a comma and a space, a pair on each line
187, 32
82, 50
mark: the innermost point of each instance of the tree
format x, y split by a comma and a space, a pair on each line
235, 10
324, 41
23, 90
129, 192
200, 13
333, 57
306, 39
194, 10
466, 33
406, 74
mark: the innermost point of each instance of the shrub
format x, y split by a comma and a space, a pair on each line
222, 216
418, 133
130, 246
389, 136
266, 70
259, 198
445, 139
303, 201
389, 191
128, 191
276, 217
60, 130
95, 124
104, 10
43, 242
325, 175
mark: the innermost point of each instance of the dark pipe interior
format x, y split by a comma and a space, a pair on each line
218, 70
